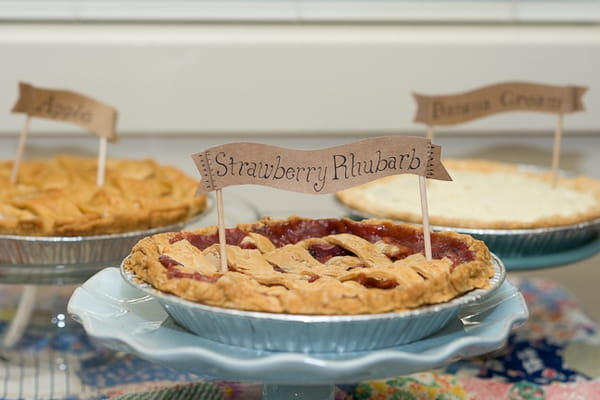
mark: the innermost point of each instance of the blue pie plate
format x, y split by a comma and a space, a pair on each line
126, 319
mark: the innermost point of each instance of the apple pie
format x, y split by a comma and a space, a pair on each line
59, 197
482, 194
313, 266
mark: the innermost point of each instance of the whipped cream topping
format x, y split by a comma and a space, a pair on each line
482, 196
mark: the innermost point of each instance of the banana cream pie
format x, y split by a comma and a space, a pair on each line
313, 266
59, 197
483, 194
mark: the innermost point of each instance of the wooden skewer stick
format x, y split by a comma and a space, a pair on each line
22, 316
100, 173
425, 217
430, 132
21, 319
556, 149
20, 150
222, 238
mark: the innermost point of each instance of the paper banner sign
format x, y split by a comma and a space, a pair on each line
317, 171
509, 96
68, 106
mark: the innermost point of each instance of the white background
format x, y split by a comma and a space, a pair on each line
294, 78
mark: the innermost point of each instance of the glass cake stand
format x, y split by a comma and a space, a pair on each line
47, 269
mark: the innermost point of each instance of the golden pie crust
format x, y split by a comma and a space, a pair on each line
59, 197
313, 267
484, 194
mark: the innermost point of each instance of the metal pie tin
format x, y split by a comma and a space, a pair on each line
314, 333
15, 249
513, 243
65, 260
517, 243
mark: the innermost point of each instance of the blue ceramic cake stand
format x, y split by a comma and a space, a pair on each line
126, 319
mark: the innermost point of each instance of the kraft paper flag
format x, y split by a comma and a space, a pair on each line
67, 106
317, 171
502, 97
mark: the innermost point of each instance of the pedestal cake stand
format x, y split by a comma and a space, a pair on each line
127, 319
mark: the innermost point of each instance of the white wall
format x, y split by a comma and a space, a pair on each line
270, 78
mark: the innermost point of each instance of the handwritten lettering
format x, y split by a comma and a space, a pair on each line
347, 166
513, 99
64, 111
344, 166
228, 165
444, 109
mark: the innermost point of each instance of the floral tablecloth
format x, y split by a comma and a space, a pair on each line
555, 355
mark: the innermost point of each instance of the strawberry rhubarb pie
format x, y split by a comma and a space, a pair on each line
313, 266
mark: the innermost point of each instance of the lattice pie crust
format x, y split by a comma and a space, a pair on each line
306, 266
59, 197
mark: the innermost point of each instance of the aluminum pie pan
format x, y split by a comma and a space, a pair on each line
516, 243
512, 243
315, 333
66, 250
